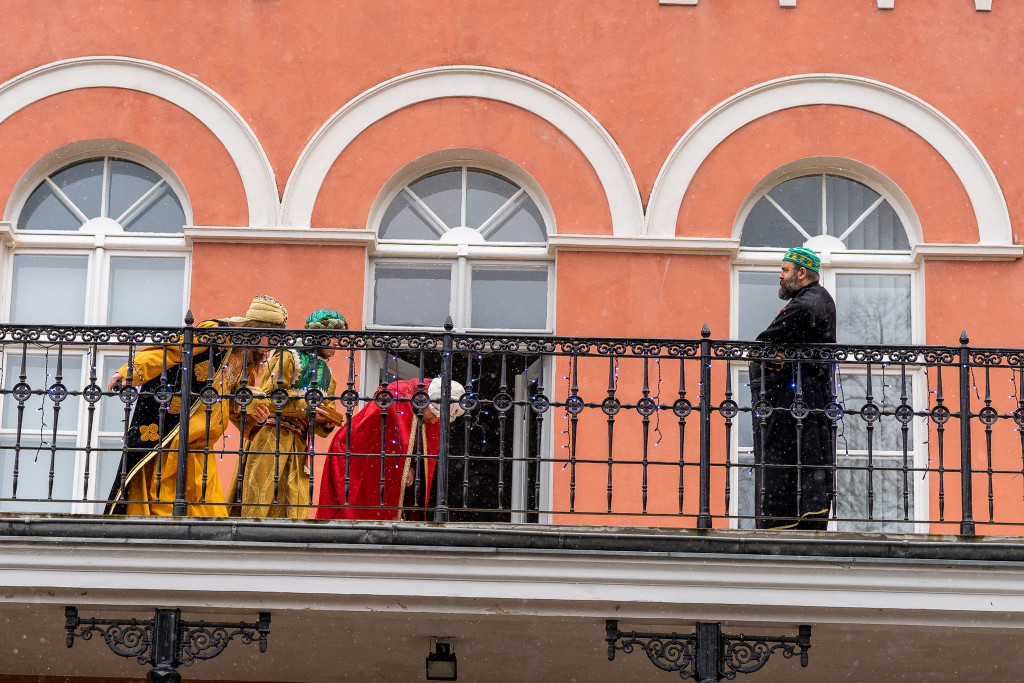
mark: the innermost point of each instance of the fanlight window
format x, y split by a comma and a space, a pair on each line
463, 205
826, 213
133, 196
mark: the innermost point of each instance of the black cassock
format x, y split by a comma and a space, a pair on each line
798, 456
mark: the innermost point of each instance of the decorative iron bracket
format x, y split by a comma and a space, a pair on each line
165, 642
707, 655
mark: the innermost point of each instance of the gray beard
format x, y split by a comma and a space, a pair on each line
788, 288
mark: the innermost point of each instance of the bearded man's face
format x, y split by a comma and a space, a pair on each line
789, 282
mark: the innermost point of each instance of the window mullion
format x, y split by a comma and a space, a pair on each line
487, 227
433, 221
98, 284
861, 218
787, 216
105, 188
461, 293
465, 193
67, 201
141, 204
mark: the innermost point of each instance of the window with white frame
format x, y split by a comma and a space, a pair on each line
466, 241
470, 240
99, 240
859, 227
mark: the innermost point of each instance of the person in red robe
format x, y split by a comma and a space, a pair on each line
408, 470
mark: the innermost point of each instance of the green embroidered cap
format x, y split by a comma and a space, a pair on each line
326, 319
803, 257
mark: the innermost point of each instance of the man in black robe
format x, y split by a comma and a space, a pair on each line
794, 449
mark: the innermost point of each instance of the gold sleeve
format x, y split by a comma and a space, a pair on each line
149, 362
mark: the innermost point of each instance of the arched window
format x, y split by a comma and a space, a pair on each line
98, 240
466, 241
469, 239
863, 228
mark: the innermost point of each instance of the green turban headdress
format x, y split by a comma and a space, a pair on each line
802, 256
326, 319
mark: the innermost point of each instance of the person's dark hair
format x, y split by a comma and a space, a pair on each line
812, 275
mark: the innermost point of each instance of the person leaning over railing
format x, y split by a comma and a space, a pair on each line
281, 443
350, 487
797, 456
150, 460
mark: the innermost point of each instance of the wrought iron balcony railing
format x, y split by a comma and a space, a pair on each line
645, 432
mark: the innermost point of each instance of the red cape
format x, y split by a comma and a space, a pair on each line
363, 461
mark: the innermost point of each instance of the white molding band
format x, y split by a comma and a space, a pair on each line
246, 235
6, 233
593, 141
661, 245
968, 252
886, 4
168, 84
513, 582
980, 183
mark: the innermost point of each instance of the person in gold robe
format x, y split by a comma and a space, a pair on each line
146, 483
274, 470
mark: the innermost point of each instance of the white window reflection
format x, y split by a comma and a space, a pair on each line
145, 290
411, 294
509, 298
49, 289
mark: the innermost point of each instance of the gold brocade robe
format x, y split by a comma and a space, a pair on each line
280, 445
152, 484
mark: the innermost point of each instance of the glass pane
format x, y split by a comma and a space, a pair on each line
510, 298
83, 184
759, 302
145, 291
49, 290
766, 227
104, 469
111, 410
34, 474
523, 224
801, 199
39, 415
408, 294
128, 182
485, 194
852, 432
873, 309
442, 192
163, 215
43, 211
404, 221
845, 201
888, 484
881, 230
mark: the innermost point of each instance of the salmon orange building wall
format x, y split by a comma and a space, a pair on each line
645, 75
